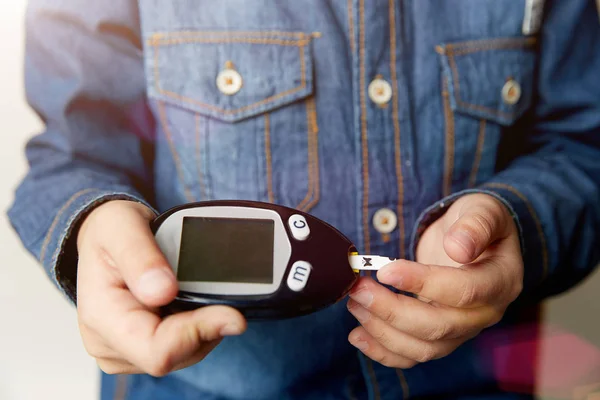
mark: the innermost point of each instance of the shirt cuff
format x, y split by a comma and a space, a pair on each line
59, 249
531, 236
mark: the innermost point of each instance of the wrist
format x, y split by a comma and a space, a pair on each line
105, 211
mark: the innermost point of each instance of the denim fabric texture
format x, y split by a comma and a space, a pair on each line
128, 94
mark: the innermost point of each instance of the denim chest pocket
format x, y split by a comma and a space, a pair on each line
238, 113
487, 85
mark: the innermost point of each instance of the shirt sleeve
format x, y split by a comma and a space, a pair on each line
84, 78
553, 189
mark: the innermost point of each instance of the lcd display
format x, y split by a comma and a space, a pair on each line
226, 250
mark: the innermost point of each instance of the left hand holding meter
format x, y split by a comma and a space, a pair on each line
122, 279
469, 270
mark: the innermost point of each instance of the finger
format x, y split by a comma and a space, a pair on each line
137, 334
111, 362
363, 341
156, 345
469, 286
475, 230
117, 367
133, 251
414, 317
408, 346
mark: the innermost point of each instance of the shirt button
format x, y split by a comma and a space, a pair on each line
385, 220
229, 81
380, 91
511, 92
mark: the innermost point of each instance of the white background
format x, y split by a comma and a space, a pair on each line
41, 356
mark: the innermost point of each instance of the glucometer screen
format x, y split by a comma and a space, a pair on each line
226, 250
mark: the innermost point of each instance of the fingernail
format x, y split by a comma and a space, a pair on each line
231, 329
359, 343
385, 271
155, 281
391, 279
360, 313
362, 296
466, 241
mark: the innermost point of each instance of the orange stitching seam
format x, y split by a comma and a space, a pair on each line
169, 38
57, 218
403, 384
223, 111
309, 199
161, 35
449, 148
314, 128
302, 67
535, 217
364, 132
462, 52
176, 159
268, 158
472, 46
280, 42
351, 25
478, 153
199, 158
309, 153
396, 121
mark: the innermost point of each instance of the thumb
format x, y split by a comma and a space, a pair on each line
135, 254
479, 224
185, 338
160, 345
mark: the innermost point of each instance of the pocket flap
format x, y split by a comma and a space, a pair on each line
491, 79
270, 69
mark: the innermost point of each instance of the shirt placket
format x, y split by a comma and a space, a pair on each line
379, 163
377, 130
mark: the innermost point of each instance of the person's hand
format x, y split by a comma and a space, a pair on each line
469, 269
122, 278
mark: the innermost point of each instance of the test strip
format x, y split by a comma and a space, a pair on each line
360, 262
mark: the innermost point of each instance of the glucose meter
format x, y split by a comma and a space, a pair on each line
266, 260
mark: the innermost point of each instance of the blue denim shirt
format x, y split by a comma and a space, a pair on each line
470, 96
